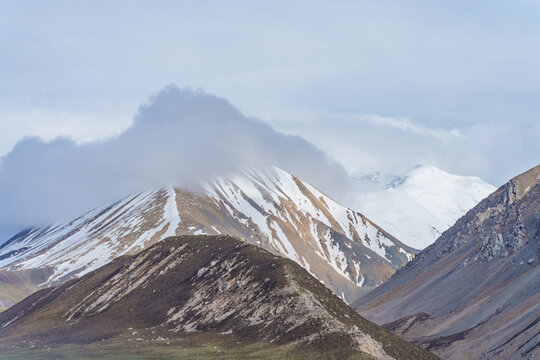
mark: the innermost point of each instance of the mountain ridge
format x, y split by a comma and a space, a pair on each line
272, 209
475, 292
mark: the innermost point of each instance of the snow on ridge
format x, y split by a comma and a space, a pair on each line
280, 185
350, 221
337, 259
170, 213
64, 235
87, 242
269, 204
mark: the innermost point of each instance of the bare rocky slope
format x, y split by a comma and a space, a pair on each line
269, 208
474, 293
202, 285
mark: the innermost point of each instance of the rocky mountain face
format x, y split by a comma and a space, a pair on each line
209, 286
474, 293
419, 205
269, 208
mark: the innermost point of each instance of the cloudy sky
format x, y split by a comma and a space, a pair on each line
376, 85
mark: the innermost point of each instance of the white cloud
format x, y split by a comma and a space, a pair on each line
455, 83
363, 144
406, 125
179, 137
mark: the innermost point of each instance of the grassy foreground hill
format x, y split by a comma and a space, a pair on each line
195, 297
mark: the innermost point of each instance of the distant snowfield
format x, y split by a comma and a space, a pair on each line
417, 207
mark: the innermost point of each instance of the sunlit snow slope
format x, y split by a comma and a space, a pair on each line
271, 208
420, 205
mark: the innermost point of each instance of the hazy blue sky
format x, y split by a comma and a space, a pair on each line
377, 85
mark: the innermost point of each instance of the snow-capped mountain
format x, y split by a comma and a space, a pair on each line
418, 206
269, 208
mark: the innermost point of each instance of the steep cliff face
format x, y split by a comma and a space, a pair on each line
474, 293
271, 209
195, 286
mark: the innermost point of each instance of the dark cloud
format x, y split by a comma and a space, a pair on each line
179, 137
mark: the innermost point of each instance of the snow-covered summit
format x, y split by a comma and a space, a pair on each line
419, 205
269, 208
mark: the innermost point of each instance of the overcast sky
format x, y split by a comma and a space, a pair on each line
377, 85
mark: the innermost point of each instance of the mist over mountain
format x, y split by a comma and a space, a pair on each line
180, 137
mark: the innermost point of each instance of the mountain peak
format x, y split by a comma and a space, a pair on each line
420, 204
